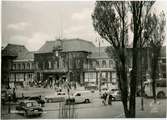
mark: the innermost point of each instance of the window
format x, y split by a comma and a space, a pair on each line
19, 66
103, 63
163, 60
50, 65
161, 84
14, 66
97, 64
90, 77
23, 65
110, 63
163, 68
90, 64
164, 75
28, 65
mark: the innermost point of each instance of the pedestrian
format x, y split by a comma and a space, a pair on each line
14, 95
104, 97
9, 98
110, 99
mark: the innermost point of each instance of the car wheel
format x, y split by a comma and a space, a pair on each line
25, 114
87, 101
49, 100
68, 102
161, 95
114, 99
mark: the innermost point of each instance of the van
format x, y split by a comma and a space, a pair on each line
83, 96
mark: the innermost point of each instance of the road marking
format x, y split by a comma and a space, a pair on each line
152, 103
118, 116
154, 110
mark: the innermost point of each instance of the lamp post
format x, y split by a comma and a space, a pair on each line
99, 83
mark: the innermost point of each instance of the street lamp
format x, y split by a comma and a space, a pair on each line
99, 42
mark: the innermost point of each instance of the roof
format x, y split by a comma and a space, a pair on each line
95, 53
19, 51
25, 56
67, 45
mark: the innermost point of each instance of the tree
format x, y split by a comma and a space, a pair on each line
138, 18
156, 41
110, 21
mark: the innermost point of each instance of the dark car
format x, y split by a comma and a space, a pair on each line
91, 87
3, 96
38, 99
29, 107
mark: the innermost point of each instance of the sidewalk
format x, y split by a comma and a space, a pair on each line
151, 109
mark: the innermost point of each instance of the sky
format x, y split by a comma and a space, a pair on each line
32, 23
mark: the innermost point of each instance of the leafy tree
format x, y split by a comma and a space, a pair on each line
155, 43
110, 21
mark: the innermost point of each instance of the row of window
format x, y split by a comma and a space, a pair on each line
60, 64
21, 66
93, 76
49, 65
101, 64
21, 77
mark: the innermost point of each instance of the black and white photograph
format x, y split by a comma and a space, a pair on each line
83, 59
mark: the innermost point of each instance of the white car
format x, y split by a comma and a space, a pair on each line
116, 94
57, 97
81, 97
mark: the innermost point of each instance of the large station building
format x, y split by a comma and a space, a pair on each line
74, 59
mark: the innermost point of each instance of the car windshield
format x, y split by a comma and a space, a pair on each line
31, 104
114, 90
61, 94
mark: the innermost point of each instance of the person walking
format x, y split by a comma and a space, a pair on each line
110, 98
104, 97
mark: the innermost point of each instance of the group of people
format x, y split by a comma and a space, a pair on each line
107, 98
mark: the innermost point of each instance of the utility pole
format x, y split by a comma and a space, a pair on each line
141, 76
100, 75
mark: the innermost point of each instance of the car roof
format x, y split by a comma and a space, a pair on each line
82, 91
26, 101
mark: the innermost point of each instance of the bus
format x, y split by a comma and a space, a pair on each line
160, 88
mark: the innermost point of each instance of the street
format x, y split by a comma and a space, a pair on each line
95, 109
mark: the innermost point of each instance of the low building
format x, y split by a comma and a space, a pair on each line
19, 64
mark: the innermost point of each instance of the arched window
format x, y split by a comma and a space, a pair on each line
103, 63
19, 66
97, 64
23, 65
28, 65
14, 66
110, 63
50, 64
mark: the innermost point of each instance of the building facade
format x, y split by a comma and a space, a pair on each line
75, 60
17, 66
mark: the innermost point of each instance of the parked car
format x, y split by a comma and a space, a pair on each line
91, 87
39, 99
29, 107
57, 97
3, 96
116, 94
80, 97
